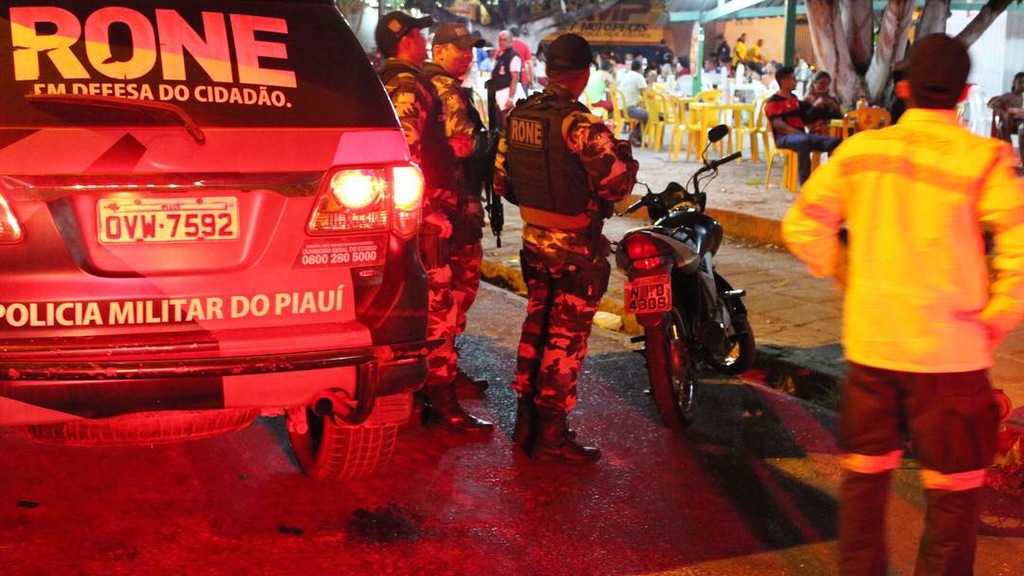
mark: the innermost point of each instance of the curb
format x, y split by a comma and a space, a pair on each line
780, 368
748, 227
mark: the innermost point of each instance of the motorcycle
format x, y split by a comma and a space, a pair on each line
692, 317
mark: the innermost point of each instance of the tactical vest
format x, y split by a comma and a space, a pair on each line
436, 157
501, 77
544, 173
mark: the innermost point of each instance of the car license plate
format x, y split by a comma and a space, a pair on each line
649, 294
144, 220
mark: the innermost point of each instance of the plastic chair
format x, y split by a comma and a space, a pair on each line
620, 119
709, 96
675, 122
755, 129
699, 120
654, 129
869, 118
790, 175
598, 111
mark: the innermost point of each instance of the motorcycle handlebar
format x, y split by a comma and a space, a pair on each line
716, 163
632, 208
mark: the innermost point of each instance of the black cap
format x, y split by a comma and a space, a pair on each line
457, 34
392, 26
569, 52
937, 71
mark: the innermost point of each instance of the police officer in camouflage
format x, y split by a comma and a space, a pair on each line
565, 170
400, 40
466, 153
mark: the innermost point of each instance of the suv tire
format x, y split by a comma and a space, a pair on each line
143, 428
327, 451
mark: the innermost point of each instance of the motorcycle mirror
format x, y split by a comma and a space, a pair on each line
718, 132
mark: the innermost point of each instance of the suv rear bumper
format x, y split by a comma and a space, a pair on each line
34, 392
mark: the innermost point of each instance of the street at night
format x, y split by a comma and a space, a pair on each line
750, 489
241, 240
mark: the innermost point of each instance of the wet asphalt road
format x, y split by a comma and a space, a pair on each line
748, 490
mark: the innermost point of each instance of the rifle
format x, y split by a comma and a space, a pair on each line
495, 211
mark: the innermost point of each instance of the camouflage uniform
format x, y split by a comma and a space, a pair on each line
468, 140
413, 101
418, 109
566, 270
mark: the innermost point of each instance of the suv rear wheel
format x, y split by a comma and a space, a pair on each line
327, 451
143, 428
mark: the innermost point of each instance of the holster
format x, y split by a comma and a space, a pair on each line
588, 281
581, 276
433, 248
468, 222
533, 269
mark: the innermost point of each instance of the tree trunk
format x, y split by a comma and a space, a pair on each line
831, 50
933, 18
986, 16
892, 41
858, 21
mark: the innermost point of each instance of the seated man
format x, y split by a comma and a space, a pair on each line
630, 85
785, 112
1001, 105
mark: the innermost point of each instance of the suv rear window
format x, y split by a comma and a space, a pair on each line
226, 63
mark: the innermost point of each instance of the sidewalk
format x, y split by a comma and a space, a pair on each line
795, 317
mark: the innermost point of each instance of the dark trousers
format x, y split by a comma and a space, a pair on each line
952, 419
803, 144
640, 115
561, 303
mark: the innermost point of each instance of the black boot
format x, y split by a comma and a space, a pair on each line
443, 409
526, 423
556, 443
466, 385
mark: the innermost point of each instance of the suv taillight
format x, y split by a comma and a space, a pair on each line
10, 228
369, 199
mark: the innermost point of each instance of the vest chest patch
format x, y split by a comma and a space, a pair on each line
526, 132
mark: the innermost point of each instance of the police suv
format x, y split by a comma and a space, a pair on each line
207, 213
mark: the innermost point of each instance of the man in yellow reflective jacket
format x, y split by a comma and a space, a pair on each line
922, 310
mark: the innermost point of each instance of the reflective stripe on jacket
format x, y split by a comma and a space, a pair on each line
914, 198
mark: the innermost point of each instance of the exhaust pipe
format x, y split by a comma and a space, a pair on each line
345, 409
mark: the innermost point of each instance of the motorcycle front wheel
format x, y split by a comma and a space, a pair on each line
742, 348
671, 370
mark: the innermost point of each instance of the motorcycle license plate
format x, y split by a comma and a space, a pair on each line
649, 294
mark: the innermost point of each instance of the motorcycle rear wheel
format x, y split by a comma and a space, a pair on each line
671, 370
